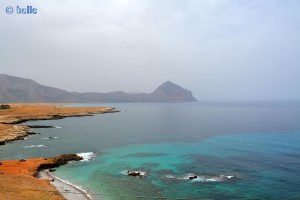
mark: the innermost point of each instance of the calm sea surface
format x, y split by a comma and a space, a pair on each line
236, 150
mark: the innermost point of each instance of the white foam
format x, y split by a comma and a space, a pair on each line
208, 179
35, 146
75, 186
49, 138
220, 178
170, 176
124, 172
186, 177
142, 173
57, 127
87, 156
202, 178
230, 177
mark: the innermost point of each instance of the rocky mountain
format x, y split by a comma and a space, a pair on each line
170, 92
15, 89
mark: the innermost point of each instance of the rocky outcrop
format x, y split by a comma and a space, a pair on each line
58, 161
22, 173
193, 177
40, 126
13, 132
139, 174
169, 92
9, 131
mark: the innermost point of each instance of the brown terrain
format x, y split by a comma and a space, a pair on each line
19, 113
18, 177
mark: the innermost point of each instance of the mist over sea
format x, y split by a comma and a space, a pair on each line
237, 150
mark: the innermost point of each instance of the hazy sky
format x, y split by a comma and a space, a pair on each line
219, 49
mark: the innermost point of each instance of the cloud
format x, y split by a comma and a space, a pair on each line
221, 50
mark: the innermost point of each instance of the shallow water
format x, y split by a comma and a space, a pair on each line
255, 144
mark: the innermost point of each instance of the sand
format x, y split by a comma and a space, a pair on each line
22, 179
70, 192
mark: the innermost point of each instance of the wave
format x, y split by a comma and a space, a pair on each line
57, 127
177, 177
124, 172
87, 156
74, 186
35, 146
202, 178
220, 178
50, 138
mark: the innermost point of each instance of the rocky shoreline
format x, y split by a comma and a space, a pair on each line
19, 178
10, 119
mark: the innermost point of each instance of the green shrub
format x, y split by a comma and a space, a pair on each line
4, 106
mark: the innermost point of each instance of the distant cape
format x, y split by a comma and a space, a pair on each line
15, 89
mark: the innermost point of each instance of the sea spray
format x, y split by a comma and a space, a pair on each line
87, 156
35, 146
50, 138
202, 178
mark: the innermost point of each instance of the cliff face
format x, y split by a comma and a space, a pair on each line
15, 89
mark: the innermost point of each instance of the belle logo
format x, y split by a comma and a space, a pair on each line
22, 10
27, 10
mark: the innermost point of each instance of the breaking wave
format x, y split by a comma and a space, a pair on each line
202, 178
50, 138
87, 156
35, 146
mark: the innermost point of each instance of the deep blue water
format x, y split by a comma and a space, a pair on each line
257, 145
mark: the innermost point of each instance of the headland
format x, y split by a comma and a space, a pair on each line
18, 178
26, 178
10, 119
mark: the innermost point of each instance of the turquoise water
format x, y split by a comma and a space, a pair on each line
256, 145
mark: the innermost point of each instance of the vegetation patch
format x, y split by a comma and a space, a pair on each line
4, 106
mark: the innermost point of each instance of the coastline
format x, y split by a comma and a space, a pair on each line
18, 178
10, 119
22, 175
68, 190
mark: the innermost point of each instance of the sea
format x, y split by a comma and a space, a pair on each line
199, 150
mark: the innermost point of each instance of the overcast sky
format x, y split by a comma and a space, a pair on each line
218, 49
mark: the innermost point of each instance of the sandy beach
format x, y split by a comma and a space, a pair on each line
69, 191
19, 179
